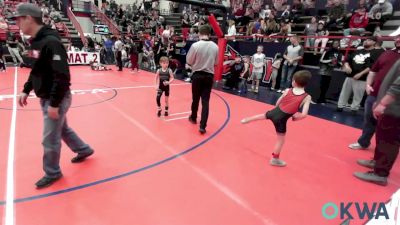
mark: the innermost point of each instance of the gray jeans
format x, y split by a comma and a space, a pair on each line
53, 132
357, 87
287, 75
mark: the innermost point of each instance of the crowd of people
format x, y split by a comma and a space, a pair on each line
146, 43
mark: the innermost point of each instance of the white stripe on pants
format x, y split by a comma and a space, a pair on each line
352, 86
14, 52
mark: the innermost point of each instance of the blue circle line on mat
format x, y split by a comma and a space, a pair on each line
35, 197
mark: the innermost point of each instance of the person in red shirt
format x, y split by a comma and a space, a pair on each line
374, 80
358, 22
287, 107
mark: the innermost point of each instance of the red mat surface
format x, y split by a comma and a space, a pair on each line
224, 177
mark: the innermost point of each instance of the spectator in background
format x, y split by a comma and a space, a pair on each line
109, 50
336, 14
358, 23
3, 24
286, 14
293, 54
279, 5
310, 32
380, 12
12, 45
330, 60
272, 25
356, 69
193, 36
231, 30
239, 12
264, 13
321, 32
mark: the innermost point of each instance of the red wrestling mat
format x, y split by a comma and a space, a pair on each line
150, 170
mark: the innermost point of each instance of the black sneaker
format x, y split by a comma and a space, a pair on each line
192, 120
159, 113
81, 157
46, 181
166, 113
339, 109
202, 130
371, 177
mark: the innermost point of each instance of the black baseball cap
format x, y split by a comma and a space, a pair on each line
28, 9
372, 38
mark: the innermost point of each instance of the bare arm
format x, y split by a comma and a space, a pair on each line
306, 107
326, 60
157, 78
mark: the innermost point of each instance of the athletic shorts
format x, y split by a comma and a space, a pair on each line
279, 119
256, 76
163, 88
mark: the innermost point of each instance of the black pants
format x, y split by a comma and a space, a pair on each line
324, 86
119, 60
387, 144
201, 88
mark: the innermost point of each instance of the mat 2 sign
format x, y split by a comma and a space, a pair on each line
355, 210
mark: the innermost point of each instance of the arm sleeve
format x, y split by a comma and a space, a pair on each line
377, 65
394, 89
60, 72
191, 56
28, 85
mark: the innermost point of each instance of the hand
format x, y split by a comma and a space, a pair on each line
166, 82
379, 110
357, 76
369, 89
347, 70
52, 112
22, 101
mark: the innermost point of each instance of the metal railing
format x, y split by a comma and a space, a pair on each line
272, 38
77, 26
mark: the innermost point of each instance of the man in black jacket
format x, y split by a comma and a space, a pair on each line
50, 79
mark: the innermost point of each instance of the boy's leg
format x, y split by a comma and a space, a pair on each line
279, 144
275, 161
166, 101
159, 94
253, 118
257, 82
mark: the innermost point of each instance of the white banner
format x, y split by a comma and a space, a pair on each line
75, 58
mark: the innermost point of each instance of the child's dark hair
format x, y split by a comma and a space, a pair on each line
302, 77
278, 55
164, 59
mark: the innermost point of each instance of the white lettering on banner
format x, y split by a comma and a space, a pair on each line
83, 57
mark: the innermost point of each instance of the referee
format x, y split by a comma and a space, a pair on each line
202, 57
50, 79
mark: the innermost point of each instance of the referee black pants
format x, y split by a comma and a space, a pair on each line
201, 88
